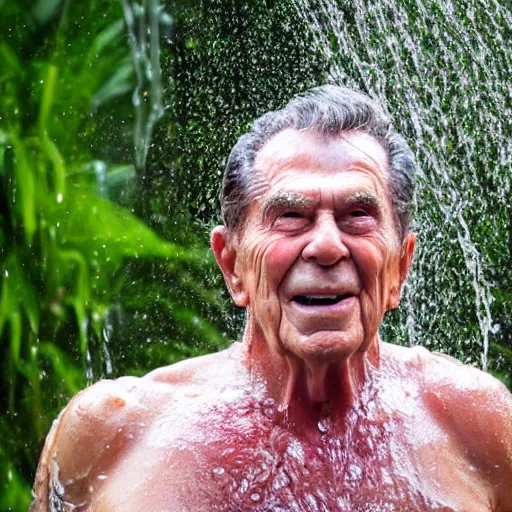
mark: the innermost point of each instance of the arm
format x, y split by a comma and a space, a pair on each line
83, 442
487, 432
498, 445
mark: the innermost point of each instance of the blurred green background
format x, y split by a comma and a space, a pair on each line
115, 121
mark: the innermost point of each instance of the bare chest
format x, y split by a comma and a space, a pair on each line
248, 462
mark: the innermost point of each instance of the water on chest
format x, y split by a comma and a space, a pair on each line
262, 466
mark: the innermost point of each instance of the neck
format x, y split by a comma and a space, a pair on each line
309, 388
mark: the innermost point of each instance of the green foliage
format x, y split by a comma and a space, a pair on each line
104, 268
67, 233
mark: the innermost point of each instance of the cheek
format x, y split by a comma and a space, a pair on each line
378, 267
279, 258
265, 264
375, 265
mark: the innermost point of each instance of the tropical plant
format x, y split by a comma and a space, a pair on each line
103, 263
66, 234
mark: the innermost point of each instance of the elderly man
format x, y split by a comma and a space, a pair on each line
311, 411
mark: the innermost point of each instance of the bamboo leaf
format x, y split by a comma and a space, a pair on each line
25, 191
118, 84
15, 342
197, 323
17, 295
48, 96
10, 61
105, 38
59, 170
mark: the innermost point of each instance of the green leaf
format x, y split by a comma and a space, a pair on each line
17, 294
48, 97
103, 231
16, 496
502, 349
63, 367
197, 323
4, 139
59, 169
118, 84
9, 59
44, 9
105, 38
25, 190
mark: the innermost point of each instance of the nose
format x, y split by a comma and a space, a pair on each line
325, 246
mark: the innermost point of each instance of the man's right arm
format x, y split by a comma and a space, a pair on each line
84, 441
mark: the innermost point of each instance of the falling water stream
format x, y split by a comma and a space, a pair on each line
143, 25
443, 71
143, 21
440, 69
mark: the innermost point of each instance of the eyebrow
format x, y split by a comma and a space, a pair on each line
294, 200
280, 200
364, 199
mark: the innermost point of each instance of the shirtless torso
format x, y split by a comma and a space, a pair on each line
427, 434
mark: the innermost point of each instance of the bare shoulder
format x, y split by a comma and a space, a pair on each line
455, 391
89, 426
473, 407
101, 422
477, 408
462, 392
201, 371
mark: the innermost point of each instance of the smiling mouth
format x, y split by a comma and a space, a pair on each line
320, 300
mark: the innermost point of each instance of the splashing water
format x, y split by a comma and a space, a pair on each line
441, 69
143, 24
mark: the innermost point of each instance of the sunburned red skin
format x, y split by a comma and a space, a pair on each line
231, 449
265, 467
312, 412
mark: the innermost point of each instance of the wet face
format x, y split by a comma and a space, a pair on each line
319, 260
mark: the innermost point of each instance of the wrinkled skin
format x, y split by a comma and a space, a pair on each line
321, 224
311, 411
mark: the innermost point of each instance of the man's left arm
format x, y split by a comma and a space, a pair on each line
487, 427
501, 445
476, 408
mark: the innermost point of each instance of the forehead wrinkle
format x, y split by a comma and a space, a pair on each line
278, 157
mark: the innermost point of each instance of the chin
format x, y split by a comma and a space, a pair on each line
326, 346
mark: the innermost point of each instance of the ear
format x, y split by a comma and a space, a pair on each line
226, 256
406, 255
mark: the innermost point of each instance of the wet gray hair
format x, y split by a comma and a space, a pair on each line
327, 110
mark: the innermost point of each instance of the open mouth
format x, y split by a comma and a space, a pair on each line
320, 300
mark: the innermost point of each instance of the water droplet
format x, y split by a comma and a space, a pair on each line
323, 426
255, 497
244, 485
218, 471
